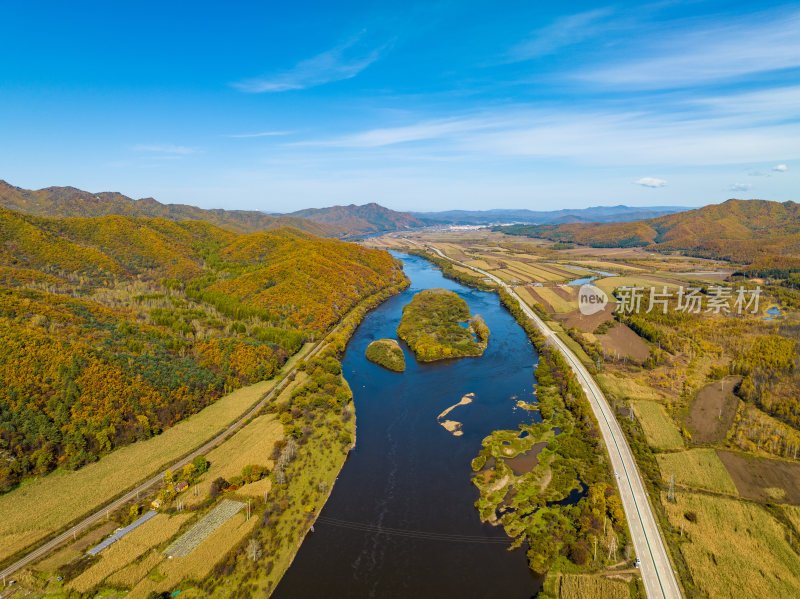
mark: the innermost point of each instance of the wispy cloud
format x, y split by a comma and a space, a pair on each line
344, 61
564, 32
651, 182
605, 134
780, 168
261, 134
170, 149
740, 187
685, 56
422, 131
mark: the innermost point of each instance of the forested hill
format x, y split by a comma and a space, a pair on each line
362, 220
113, 328
64, 202
760, 233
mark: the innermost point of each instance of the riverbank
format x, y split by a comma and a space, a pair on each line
402, 522
329, 349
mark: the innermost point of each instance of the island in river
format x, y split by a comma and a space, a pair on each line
386, 353
432, 327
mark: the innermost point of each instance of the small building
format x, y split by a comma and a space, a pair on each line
156, 503
181, 486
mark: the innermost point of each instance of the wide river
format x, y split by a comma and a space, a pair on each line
401, 521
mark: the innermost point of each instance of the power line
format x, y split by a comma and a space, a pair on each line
413, 534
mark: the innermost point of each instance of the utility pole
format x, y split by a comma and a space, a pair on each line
671, 492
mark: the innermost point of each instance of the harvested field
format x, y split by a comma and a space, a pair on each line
584, 323
712, 412
696, 468
607, 266
61, 496
252, 444
763, 479
198, 533
735, 548
197, 565
609, 284
793, 513
557, 301
626, 388
76, 549
131, 574
622, 342
536, 298
660, 431
125, 551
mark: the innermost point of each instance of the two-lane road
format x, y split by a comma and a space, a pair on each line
658, 576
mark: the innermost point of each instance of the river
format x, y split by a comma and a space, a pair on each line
408, 474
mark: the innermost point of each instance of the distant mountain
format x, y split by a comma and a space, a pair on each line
362, 220
596, 214
62, 202
761, 233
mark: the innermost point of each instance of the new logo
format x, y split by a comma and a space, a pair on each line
591, 300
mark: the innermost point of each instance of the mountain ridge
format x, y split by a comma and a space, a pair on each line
761, 233
71, 202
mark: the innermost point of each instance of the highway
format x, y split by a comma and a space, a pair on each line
102, 512
660, 580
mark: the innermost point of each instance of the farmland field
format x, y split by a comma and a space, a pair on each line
128, 549
659, 429
763, 479
62, 497
221, 513
626, 388
577, 586
735, 548
697, 468
252, 444
621, 341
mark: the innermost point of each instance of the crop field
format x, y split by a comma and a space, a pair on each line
252, 444
167, 573
607, 266
128, 549
62, 497
609, 284
556, 300
625, 388
793, 513
698, 468
735, 548
131, 574
198, 533
578, 586
658, 427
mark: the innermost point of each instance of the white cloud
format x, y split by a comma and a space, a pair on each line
780, 168
165, 149
344, 61
683, 57
740, 187
565, 31
424, 130
262, 134
651, 182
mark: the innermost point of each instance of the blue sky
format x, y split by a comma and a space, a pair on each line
418, 106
